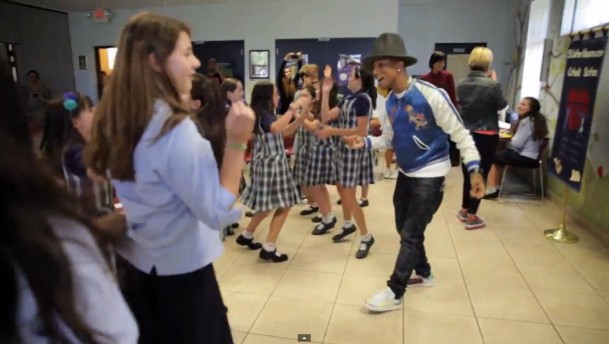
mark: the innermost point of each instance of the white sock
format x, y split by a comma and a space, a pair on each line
363, 199
347, 224
328, 218
269, 247
247, 235
313, 205
490, 190
367, 237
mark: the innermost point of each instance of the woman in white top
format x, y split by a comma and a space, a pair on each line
523, 150
175, 198
57, 285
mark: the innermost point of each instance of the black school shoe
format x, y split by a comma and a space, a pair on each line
276, 258
364, 248
249, 214
346, 232
323, 228
243, 241
317, 219
493, 195
230, 231
310, 210
234, 225
363, 203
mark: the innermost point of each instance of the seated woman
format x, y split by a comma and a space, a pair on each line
523, 150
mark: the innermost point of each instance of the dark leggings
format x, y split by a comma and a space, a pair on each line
487, 146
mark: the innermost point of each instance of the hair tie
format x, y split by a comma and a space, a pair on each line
70, 101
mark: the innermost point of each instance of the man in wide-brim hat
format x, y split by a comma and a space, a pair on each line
420, 118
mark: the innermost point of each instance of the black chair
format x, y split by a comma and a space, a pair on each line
539, 169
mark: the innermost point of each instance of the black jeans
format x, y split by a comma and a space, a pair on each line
415, 200
487, 146
185, 308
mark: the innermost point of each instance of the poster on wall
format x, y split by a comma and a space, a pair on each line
582, 74
345, 65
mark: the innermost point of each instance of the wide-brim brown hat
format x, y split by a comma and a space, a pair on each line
389, 46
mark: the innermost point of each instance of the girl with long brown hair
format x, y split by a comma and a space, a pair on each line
57, 283
166, 176
524, 148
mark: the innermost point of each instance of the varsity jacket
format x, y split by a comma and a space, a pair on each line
418, 124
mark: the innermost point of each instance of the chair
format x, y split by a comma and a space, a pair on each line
539, 169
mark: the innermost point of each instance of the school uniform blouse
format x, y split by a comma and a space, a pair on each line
176, 206
522, 142
97, 298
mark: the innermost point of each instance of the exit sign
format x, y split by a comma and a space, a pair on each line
100, 15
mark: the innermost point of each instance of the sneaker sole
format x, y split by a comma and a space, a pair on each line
376, 309
474, 227
462, 219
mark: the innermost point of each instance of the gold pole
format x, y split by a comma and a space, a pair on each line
560, 234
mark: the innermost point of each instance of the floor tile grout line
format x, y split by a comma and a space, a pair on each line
275, 288
465, 284
342, 277
545, 312
570, 263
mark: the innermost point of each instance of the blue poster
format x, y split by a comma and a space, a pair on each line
582, 73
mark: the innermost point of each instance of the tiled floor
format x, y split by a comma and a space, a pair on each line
503, 284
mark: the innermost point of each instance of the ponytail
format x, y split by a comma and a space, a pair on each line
368, 84
540, 124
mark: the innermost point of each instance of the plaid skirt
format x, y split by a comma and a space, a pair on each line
321, 164
302, 153
272, 185
354, 166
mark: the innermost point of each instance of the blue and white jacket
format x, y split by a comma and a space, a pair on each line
417, 125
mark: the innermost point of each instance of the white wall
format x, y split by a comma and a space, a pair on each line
42, 43
423, 23
258, 24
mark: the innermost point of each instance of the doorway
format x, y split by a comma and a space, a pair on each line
228, 54
104, 64
457, 55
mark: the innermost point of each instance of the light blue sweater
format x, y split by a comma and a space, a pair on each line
176, 206
522, 142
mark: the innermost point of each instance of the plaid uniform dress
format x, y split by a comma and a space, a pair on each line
302, 145
272, 184
354, 166
321, 163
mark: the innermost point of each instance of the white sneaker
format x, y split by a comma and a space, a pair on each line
387, 173
420, 281
383, 301
394, 174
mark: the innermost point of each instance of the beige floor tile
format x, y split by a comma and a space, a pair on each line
447, 298
243, 309
582, 310
446, 270
578, 335
258, 339
497, 331
440, 247
376, 264
501, 273
287, 318
325, 242
458, 232
483, 251
239, 337
244, 279
354, 325
539, 254
355, 289
436, 328
506, 303
309, 285
323, 260
513, 234
560, 279
586, 258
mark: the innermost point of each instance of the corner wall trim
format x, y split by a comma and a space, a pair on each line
12, 2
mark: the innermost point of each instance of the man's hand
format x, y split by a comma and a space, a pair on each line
477, 182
